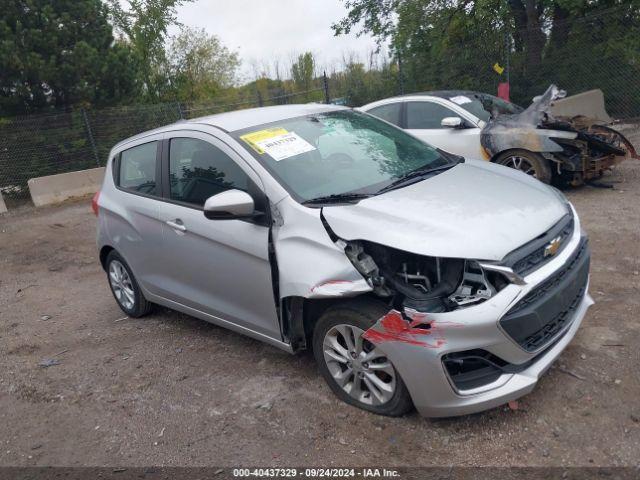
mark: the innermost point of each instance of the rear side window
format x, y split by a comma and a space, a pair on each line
427, 115
199, 170
137, 170
390, 113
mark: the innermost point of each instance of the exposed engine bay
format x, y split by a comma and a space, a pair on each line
426, 284
572, 134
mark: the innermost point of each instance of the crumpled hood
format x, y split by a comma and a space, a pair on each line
524, 130
474, 210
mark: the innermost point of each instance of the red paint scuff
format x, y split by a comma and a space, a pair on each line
394, 328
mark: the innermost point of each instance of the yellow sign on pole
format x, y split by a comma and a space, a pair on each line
498, 69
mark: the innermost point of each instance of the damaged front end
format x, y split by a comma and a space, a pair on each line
446, 331
416, 287
420, 283
572, 134
410, 284
429, 301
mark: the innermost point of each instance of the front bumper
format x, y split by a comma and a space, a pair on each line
420, 362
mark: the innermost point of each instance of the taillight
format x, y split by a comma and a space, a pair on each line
94, 202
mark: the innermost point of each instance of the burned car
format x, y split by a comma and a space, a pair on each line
564, 140
417, 277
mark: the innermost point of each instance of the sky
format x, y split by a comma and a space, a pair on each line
263, 30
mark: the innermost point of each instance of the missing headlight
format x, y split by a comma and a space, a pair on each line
426, 284
474, 287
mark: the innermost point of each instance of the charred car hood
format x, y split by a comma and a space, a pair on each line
524, 130
474, 210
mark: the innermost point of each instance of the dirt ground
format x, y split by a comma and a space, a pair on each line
173, 390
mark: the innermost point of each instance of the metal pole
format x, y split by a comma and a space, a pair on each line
325, 84
180, 112
400, 76
87, 127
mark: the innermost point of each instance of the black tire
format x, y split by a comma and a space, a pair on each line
361, 314
141, 306
537, 167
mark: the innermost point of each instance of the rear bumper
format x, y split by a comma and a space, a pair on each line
420, 363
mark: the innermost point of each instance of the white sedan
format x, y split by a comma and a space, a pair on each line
544, 141
448, 119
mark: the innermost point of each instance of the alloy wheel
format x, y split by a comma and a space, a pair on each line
357, 366
121, 284
520, 163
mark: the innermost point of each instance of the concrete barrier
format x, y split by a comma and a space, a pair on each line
3, 206
57, 188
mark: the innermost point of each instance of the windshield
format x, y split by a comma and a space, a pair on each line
337, 153
484, 106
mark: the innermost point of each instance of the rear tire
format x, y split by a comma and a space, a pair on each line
361, 376
125, 288
527, 162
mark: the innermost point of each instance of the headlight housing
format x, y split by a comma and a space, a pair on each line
426, 284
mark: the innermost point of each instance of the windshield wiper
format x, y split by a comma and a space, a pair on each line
403, 181
337, 198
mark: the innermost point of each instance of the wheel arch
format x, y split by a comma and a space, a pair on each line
539, 162
301, 315
104, 253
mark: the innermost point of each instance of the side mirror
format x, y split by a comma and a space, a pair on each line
452, 122
229, 205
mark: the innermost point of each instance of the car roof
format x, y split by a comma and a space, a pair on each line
439, 93
445, 93
241, 119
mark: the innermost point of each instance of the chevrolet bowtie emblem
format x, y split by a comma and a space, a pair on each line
552, 247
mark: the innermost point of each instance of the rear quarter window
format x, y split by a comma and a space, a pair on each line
137, 169
390, 112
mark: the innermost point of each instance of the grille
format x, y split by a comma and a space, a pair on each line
531, 256
553, 281
555, 326
545, 311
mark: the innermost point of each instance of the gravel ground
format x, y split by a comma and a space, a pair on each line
173, 390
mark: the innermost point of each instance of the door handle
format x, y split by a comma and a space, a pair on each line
177, 225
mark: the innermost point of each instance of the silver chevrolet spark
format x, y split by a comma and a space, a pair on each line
418, 278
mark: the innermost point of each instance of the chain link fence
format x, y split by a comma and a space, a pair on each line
589, 55
599, 50
38, 145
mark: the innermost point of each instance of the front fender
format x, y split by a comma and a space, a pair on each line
498, 138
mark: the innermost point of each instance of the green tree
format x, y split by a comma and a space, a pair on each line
578, 44
200, 65
145, 25
57, 54
303, 71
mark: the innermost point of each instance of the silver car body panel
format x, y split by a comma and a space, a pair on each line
310, 264
475, 210
219, 270
133, 228
210, 266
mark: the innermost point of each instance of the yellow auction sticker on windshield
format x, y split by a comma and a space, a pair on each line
254, 137
278, 143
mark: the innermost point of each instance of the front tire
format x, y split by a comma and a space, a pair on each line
125, 288
356, 370
527, 162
